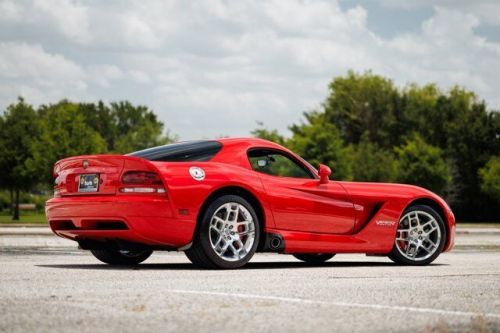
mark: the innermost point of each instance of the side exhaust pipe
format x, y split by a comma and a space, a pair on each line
274, 243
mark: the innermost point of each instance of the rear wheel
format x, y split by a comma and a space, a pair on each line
121, 257
314, 258
228, 234
420, 237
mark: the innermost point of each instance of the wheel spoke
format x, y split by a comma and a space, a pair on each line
401, 233
427, 248
408, 249
236, 212
431, 242
417, 247
228, 209
213, 227
235, 252
225, 247
217, 242
246, 233
218, 219
218, 248
417, 219
434, 228
427, 223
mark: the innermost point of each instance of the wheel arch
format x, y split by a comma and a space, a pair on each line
438, 208
245, 194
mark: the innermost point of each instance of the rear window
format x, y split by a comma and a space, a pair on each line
189, 151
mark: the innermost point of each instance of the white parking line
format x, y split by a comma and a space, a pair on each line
342, 304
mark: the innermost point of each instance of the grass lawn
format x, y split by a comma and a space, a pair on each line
30, 218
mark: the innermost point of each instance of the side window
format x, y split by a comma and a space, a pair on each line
276, 164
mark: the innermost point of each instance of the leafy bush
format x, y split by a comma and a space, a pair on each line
422, 164
490, 178
4, 201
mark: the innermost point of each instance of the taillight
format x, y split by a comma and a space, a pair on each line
141, 182
57, 181
141, 178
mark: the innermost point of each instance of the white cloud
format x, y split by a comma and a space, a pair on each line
70, 17
488, 11
10, 10
448, 52
215, 67
20, 61
29, 71
103, 75
140, 76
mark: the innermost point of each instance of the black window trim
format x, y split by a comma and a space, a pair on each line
305, 166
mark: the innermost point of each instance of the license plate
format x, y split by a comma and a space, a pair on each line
88, 183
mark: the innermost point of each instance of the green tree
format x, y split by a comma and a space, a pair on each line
19, 127
490, 178
422, 164
467, 134
319, 141
364, 103
455, 121
99, 117
125, 127
137, 127
272, 135
419, 112
63, 133
372, 163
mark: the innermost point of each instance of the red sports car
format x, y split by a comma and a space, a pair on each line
222, 200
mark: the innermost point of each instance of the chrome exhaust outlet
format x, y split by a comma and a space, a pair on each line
275, 243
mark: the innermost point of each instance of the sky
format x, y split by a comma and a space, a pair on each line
216, 68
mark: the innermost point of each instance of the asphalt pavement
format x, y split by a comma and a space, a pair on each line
46, 284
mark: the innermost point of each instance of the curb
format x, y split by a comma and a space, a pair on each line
23, 225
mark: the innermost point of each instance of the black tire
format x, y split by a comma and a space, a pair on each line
398, 258
314, 258
121, 258
201, 252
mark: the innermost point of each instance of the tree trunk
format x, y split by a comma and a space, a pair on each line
16, 207
11, 206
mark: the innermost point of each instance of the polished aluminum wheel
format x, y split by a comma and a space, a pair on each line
418, 236
232, 231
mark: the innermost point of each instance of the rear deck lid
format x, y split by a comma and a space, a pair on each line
89, 174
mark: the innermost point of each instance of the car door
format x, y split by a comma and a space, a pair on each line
298, 201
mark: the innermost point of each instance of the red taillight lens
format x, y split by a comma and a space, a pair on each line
141, 178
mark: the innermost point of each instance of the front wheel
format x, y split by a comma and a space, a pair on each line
314, 258
227, 236
420, 237
121, 257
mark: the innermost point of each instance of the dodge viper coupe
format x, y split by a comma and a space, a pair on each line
220, 201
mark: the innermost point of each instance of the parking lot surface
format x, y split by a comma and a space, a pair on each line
55, 287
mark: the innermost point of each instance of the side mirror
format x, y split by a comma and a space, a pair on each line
324, 174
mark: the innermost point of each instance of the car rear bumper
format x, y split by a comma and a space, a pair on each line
139, 219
